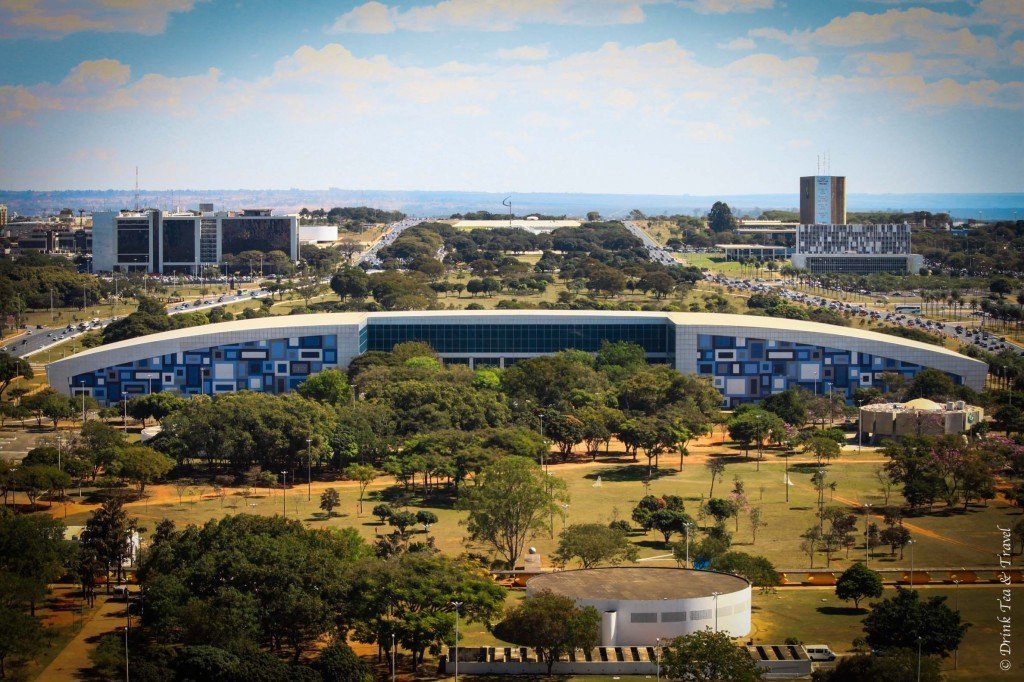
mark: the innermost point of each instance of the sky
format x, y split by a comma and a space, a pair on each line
599, 96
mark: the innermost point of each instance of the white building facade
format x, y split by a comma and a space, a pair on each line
745, 357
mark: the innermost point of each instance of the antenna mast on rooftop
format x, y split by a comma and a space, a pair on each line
136, 188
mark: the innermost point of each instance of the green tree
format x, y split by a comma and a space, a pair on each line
720, 218
142, 465
40, 480
33, 553
822, 448
21, 635
931, 383
708, 657
858, 582
411, 595
900, 665
669, 522
338, 663
901, 620
757, 569
154, 406
716, 467
108, 533
509, 503
11, 368
329, 386
364, 474
552, 624
594, 544
329, 500
426, 519
383, 512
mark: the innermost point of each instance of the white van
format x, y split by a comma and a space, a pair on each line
819, 652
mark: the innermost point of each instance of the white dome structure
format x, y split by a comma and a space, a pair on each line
638, 606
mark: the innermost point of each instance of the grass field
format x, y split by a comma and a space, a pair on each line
609, 489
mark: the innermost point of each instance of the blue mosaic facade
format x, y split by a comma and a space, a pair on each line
271, 366
748, 369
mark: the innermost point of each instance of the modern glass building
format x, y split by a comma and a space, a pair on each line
746, 357
155, 241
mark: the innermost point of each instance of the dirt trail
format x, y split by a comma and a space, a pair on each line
913, 527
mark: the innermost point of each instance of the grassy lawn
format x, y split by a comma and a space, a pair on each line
816, 616
944, 538
810, 614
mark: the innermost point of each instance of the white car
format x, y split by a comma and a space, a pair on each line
819, 652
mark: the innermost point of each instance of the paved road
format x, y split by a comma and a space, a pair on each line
37, 340
369, 256
654, 249
987, 340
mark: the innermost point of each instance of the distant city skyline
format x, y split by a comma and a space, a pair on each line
647, 97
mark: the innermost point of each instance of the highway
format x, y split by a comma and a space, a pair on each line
36, 340
654, 249
369, 257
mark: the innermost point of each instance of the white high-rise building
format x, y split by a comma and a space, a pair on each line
190, 241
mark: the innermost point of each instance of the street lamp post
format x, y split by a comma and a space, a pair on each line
911, 543
686, 529
715, 595
82, 387
284, 492
309, 469
392, 657
956, 592
124, 415
456, 604
657, 658
867, 535
919, 658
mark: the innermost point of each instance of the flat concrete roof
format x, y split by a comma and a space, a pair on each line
637, 584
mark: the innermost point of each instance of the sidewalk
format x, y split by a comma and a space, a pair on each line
71, 663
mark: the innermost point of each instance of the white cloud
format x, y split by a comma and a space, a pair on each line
527, 53
926, 31
373, 17
738, 44
489, 15
104, 85
726, 6
58, 18
1018, 52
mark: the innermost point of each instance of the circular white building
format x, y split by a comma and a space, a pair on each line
638, 606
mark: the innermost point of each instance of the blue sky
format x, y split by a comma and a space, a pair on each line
632, 96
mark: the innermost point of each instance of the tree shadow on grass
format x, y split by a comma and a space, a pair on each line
629, 473
841, 611
805, 468
398, 496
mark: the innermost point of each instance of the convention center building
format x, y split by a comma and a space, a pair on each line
747, 357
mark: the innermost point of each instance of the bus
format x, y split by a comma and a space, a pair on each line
909, 309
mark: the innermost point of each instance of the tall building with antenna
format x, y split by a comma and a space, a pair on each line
823, 200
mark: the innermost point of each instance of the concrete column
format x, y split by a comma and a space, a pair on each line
608, 628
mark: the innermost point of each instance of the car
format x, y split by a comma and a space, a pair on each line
819, 652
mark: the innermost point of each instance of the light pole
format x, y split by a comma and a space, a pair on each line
686, 529
456, 604
124, 417
392, 657
657, 658
81, 384
284, 491
911, 543
956, 592
309, 469
715, 595
544, 440
867, 535
919, 658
